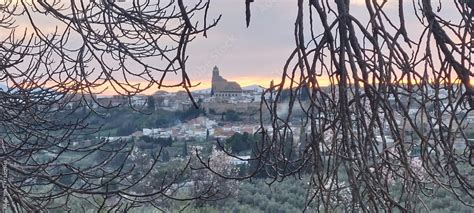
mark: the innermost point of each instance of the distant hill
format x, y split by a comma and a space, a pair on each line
203, 91
254, 88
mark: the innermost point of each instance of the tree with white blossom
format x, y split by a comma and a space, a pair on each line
211, 185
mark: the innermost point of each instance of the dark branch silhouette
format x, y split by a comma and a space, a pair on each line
380, 111
55, 58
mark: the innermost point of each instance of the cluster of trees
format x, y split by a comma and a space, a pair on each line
125, 121
241, 143
162, 142
190, 113
259, 197
231, 115
208, 185
291, 195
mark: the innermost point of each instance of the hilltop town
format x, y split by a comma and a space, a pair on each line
227, 109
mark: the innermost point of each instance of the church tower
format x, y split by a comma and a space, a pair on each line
223, 88
215, 77
215, 73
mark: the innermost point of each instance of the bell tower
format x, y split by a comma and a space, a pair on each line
215, 77
215, 73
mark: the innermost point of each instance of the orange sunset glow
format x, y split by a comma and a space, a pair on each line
199, 85
107, 90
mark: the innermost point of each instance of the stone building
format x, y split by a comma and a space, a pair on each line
223, 88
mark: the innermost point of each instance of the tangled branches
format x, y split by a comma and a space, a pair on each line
55, 57
384, 112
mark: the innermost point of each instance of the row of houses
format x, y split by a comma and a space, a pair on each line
201, 128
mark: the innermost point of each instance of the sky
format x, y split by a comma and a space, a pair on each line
256, 55
253, 55
250, 56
